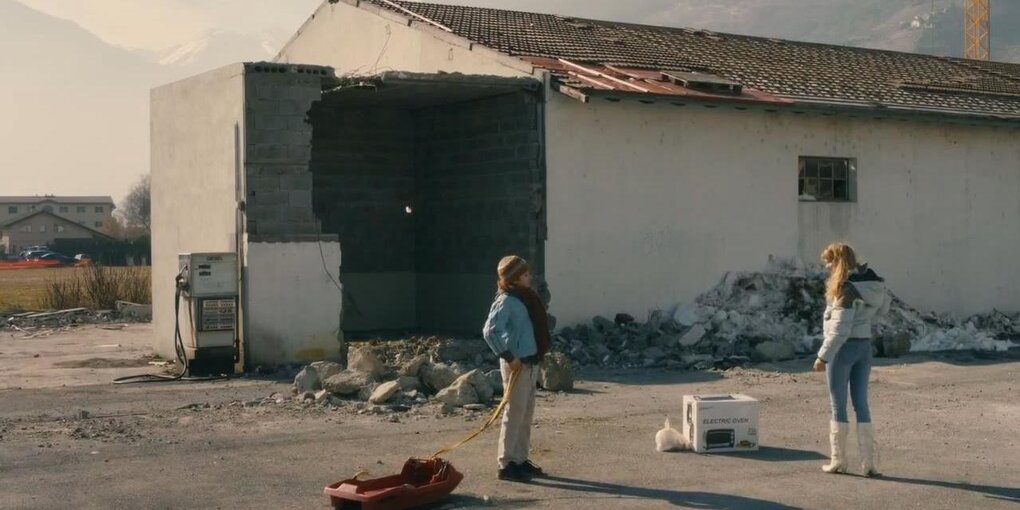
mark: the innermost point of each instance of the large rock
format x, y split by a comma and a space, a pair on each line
436, 376
894, 345
556, 374
458, 394
654, 353
366, 361
603, 324
408, 383
306, 380
384, 392
687, 315
413, 367
692, 336
347, 383
461, 350
773, 351
481, 384
326, 369
495, 378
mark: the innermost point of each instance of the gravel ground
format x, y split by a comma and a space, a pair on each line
946, 426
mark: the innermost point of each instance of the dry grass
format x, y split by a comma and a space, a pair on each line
30, 289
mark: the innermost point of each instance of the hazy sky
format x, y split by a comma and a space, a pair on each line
160, 24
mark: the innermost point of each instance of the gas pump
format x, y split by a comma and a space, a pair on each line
207, 283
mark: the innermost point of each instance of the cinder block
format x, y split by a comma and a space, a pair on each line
301, 198
268, 121
296, 181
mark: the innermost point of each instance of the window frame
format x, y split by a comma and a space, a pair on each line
830, 180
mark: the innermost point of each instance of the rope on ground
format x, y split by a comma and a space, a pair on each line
492, 418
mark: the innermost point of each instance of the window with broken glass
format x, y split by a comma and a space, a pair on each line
827, 179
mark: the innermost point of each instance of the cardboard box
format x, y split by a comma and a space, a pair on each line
720, 423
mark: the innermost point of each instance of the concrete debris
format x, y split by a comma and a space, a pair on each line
458, 394
773, 351
134, 310
347, 383
495, 381
413, 367
306, 380
384, 392
326, 369
42, 324
366, 361
771, 315
556, 374
437, 376
481, 384
408, 383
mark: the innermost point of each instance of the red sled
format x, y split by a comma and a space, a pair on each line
421, 482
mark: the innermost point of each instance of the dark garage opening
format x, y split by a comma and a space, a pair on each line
428, 180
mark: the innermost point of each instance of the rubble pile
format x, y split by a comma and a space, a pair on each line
37, 324
453, 373
771, 315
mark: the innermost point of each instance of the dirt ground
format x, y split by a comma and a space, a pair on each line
947, 427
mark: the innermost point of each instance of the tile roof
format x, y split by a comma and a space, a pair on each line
56, 199
803, 72
20, 219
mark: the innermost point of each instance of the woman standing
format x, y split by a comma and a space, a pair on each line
854, 297
517, 331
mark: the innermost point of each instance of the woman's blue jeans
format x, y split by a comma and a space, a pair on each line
850, 368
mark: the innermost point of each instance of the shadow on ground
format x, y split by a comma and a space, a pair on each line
774, 454
1002, 493
699, 500
645, 377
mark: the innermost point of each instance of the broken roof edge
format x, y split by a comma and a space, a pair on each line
815, 107
459, 78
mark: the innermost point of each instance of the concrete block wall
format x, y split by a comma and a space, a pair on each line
278, 144
362, 163
471, 172
479, 191
479, 184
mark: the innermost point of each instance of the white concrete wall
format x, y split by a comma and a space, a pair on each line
194, 162
367, 40
293, 306
649, 205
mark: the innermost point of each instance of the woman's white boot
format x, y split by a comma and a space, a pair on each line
837, 440
866, 443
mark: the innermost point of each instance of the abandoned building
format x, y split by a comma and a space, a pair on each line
633, 166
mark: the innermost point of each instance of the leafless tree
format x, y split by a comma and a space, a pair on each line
136, 208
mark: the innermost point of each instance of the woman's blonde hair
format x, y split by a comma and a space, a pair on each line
843, 260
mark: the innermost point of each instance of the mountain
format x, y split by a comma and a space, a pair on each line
219, 48
75, 109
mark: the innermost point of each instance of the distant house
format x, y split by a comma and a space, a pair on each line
634, 166
42, 228
90, 212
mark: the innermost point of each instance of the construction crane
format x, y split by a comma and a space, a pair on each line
978, 30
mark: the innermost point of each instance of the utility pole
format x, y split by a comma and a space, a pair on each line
977, 30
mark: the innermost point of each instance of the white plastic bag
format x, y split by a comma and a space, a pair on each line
669, 439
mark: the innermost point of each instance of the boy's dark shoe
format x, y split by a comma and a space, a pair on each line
531, 469
513, 472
